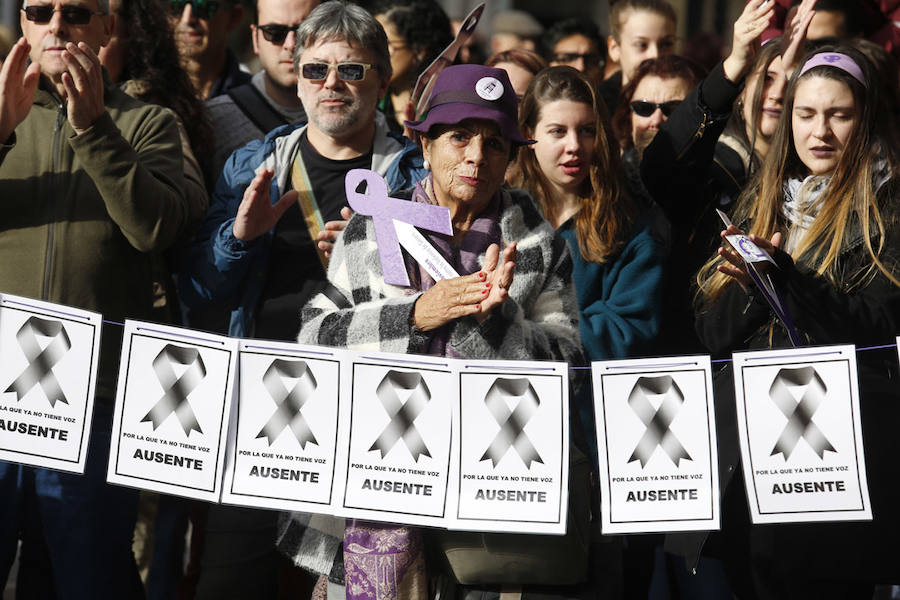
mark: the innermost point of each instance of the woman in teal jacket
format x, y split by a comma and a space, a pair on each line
574, 173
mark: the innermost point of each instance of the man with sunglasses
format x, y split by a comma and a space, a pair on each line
269, 100
577, 43
256, 252
92, 183
201, 32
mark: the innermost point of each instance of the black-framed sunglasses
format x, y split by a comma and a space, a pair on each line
565, 58
73, 15
643, 108
202, 9
347, 71
276, 33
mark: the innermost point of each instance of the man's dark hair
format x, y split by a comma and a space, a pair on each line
571, 26
855, 21
422, 24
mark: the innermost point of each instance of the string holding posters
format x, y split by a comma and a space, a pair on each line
172, 405
398, 438
284, 436
48, 372
800, 434
514, 447
656, 439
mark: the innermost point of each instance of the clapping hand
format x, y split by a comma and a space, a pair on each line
328, 236
17, 87
469, 295
83, 84
256, 213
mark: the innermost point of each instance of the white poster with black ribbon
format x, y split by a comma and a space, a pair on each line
172, 404
397, 438
513, 424
48, 371
283, 439
800, 433
656, 438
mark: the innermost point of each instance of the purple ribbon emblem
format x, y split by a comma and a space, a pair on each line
384, 210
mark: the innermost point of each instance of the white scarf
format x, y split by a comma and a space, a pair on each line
801, 206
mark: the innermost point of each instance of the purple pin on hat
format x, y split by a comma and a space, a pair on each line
473, 92
838, 61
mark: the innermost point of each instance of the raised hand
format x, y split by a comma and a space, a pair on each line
83, 84
256, 214
795, 35
747, 29
17, 87
328, 236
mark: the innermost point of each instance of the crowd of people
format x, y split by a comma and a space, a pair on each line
146, 175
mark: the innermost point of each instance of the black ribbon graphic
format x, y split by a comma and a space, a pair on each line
177, 389
799, 413
658, 420
41, 362
289, 402
403, 414
512, 422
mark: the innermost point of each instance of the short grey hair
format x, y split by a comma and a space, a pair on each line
102, 6
337, 20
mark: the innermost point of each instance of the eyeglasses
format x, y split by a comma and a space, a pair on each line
590, 58
643, 108
276, 33
73, 15
347, 71
202, 9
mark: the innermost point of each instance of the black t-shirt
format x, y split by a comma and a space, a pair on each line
294, 272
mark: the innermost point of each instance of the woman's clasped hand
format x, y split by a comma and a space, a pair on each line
476, 294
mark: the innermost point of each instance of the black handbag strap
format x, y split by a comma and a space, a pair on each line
335, 295
256, 108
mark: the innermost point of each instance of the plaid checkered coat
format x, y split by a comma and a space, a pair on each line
539, 320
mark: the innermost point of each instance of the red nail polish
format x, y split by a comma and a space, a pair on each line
477, 307
481, 275
487, 285
484, 292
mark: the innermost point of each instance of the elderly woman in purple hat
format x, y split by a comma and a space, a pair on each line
513, 298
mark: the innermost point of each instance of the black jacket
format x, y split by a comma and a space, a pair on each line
866, 316
681, 172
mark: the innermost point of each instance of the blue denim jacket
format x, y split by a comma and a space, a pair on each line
219, 271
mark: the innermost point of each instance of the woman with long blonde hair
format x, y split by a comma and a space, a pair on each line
824, 206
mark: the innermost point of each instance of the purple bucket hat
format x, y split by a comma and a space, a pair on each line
473, 92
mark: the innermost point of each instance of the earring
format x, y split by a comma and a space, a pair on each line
426, 165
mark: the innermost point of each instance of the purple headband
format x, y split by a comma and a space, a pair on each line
837, 60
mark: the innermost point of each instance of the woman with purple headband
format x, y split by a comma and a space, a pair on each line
824, 206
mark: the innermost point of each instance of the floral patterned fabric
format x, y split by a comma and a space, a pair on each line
384, 562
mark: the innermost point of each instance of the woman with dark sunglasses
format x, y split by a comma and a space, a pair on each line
676, 158
658, 86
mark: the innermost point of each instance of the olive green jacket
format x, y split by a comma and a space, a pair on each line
80, 214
